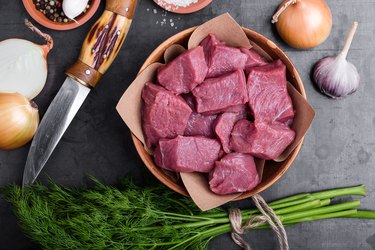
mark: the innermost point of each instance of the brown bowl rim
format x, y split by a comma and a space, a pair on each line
161, 176
201, 4
42, 20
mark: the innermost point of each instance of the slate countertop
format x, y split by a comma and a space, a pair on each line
337, 151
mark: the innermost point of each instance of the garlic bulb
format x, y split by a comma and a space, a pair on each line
19, 120
334, 75
74, 8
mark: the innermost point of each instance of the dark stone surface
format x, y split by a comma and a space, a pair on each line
338, 149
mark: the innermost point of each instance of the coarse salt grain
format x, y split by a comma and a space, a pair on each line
164, 20
181, 3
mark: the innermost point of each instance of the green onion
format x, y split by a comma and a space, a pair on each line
363, 214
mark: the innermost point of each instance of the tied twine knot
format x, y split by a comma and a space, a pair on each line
268, 216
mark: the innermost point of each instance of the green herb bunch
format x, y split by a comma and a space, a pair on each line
105, 217
132, 217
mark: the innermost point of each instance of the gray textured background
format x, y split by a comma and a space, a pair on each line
338, 149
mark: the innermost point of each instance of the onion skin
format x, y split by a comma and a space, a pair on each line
305, 24
19, 120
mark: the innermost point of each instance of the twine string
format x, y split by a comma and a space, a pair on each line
268, 216
275, 219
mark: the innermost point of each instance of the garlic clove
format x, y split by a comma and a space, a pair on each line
73, 8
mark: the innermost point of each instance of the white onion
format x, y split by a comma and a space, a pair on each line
23, 65
23, 68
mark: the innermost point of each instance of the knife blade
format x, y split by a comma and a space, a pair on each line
99, 49
58, 117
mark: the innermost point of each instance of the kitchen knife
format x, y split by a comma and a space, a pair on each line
99, 49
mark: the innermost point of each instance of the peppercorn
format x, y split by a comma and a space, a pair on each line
52, 9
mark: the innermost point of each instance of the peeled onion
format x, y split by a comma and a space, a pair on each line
23, 65
303, 24
19, 120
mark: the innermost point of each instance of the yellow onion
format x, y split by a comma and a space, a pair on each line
303, 24
19, 119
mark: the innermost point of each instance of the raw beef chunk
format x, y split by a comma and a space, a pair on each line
236, 109
164, 114
208, 43
187, 154
253, 59
266, 141
222, 59
190, 100
223, 127
185, 72
235, 172
200, 125
269, 100
218, 94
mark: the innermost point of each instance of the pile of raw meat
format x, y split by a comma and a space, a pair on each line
213, 109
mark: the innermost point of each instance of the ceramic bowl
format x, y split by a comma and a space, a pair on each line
43, 20
273, 171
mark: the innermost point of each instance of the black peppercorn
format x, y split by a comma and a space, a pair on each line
52, 9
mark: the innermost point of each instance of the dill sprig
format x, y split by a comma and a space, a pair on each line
105, 217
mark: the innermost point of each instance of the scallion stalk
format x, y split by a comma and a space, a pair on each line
327, 194
363, 214
339, 214
321, 210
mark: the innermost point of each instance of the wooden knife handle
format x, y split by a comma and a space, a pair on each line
103, 42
